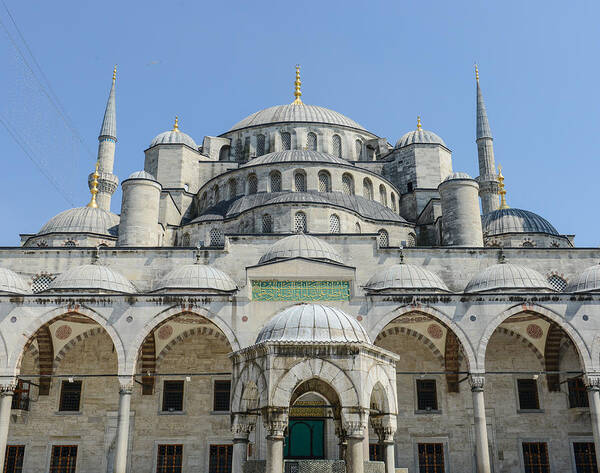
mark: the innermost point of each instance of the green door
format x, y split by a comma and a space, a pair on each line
305, 440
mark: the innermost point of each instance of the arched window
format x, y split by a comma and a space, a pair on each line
232, 188
393, 202
238, 149
275, 178
347, 184
557, 282
383, 238
324, 182
334, 224
367, 188
260, 145
336, 146
216, 237
267, 223
185, 241
286, 140
357, 228
411, 241
69, 244
224, 153
252, 184
382, 195
359, 150
246, 147
311, 141
300, 181
300, 222
527, 244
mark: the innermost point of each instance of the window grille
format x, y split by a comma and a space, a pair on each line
172, 396
220, 458
267, 224
252, 184
347, 184
557, 282
357, 228
70, 396
359, 150
382, 195
300, 222
260, 145
246, 147
69, 244
311, 141
20, 399
222, 392
336, 146
41, 283
411, 240
286, 140
375, 452
324, 182
535, 457
169, 459
216, 237
42, 244
63, 459
384, 239
232, 188
13, 462
394, 202
275, 181
334, 224
528, 394
300, 182
527, 244
585, 457
367, 189
426, 395
185, 241
577, 393
431, 458
238, 149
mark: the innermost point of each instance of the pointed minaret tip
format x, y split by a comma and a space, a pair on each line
483, 126
297, 84
476, 73
109, 123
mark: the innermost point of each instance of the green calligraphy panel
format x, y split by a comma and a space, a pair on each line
300, 290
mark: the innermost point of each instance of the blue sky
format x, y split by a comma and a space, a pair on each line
380, 63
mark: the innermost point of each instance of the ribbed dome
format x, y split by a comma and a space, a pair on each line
142, 175
405, 276
419, 137
83, 220
588, 280
515, 221
12, 283
312, 323
296, 113
174, 137
507, 276
197, 276
457, 175
301, 245
92, 277
295, 155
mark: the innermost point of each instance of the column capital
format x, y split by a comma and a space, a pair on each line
354, 421
592, 381
385, 427
7, 387
275, 420
241, 426
477, 381
125, 385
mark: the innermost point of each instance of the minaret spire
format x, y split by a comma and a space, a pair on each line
109, 124
488, 182
297, 84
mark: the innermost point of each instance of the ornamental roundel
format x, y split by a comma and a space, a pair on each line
165, 332
435, 331
63, 332
534, 331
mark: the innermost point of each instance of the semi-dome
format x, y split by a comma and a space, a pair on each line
295, 155
12, 283
587, 281
92, 277
197, 277
507, 276
313, 323
457, 175
418, 137
83, 220
301, 246
515, 221
405, 276
142, 175
295, 113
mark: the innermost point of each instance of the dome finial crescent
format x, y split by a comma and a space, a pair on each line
176, 124
502, 192
94, 189
419, 127
297, 84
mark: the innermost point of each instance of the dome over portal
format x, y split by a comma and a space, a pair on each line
507, 276
12, 283
197, 277
587, 281
92, 277
301, 246
405, 276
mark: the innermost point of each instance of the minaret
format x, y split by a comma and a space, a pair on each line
107, 181
488, 181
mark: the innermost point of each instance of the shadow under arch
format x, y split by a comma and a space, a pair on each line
378, 382
251, 376
318, 386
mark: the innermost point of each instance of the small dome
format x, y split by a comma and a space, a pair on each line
83, 220
507, 276
313, 323
457, 175
174, 137
405, 276
588, 280
142, 175
92, 277
301, 246
418, 137
295, 155
515, 221
12, 283
197, 276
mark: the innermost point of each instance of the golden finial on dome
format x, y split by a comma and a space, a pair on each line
297, 84
502, 192
419, 127
94, 190
115, 73
176, 124
476, 73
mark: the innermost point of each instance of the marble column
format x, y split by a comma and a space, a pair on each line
241, 428
126, 388
366, 440
481, 438
342, 439
592, 383
275, 420
355, 426
6, 396
385, 428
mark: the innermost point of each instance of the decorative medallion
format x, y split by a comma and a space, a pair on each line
359, 318
165, 332
534, 331
245, 318
63, 332
435, 331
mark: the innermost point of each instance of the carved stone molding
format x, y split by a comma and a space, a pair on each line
477, 382
592, 381
241, 427
275, 420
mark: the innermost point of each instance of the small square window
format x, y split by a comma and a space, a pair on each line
64, 459
577, 393
172, 396
169, 459
535, 457
528, 394
13, 462
426, 395
70, 396
221, 395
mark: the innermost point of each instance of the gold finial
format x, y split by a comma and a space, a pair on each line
419, 127
115, 73
502, 192
94, 190
176, 124
476, 73
297, 84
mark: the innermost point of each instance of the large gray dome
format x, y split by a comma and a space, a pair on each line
587, 281
405, 276
197, 277
515, 221
295, 113
295, 155
174, 137
301, 246
12, 283
83, 220
92, 277
313, 323
419, 136
507, 276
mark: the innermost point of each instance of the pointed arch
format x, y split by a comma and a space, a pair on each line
250, 377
